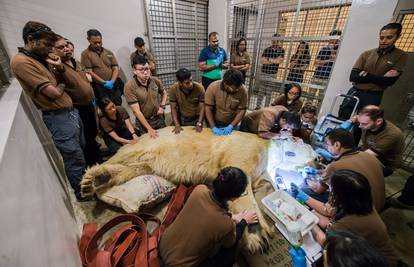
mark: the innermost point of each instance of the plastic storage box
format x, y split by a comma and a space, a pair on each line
307, 221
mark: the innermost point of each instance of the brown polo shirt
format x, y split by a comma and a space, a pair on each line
373, 229
33, 76
295, 106
262, 120
117, 125
148, 56
77, 85
200, 227
225, 105
148, 97
365, 164
100, 63
237, 59
188, 102
372, 62
387, 142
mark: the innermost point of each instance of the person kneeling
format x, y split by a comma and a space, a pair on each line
204, 232
117, 127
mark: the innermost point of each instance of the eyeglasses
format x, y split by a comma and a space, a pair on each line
146, 69
291, 93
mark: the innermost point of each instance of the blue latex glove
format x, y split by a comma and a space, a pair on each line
298, 256
324, 153
300, 196
228, 129
306, 171
310, 170
109, 84
216, 131
347, 125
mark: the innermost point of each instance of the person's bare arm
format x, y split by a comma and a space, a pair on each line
119, 139
202, 110
279, 60
237, 67
209, 116
318, 206
319, 235
245, 67
53, 92
115, 72
175, 119
96, 77
131, 129
138, 114
225, 64
265, 61
267, 135
238, 118
204, 67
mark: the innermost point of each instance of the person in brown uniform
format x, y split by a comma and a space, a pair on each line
141, 51
103, 67
291, 98
380, 137
187, 102
30, 66
351, 197
80, 90
269, 122
226, 103
116, 125
146, 97
375, 70
340, 144
240, 58
211, 239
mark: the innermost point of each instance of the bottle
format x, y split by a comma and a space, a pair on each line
294, 234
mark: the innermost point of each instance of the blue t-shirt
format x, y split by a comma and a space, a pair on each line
209, 53
323, 71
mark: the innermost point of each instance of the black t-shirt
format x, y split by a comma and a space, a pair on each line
323, 71
272, 53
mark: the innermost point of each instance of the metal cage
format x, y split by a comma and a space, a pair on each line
306, 33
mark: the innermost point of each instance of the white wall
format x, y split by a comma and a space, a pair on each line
118, 21
365, 19
37, 224
217, 20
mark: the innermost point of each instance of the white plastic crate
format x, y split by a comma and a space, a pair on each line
307, 221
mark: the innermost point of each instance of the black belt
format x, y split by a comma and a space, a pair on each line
57, 111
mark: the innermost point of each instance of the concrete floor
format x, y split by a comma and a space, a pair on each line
400, 223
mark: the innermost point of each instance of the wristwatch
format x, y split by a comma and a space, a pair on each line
162, 106
199, 124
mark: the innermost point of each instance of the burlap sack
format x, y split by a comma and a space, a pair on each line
139, 193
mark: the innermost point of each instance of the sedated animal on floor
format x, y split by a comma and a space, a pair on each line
191, 158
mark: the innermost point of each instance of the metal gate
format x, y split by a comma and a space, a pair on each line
177, 31
294, 21
406, 43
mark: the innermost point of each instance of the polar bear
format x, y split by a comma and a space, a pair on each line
191, 158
